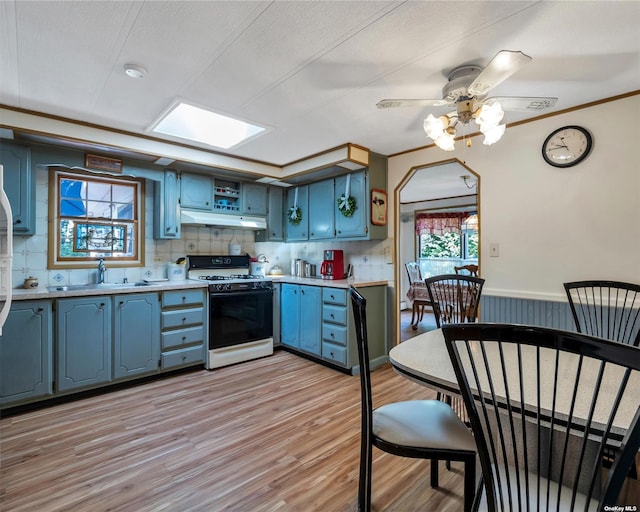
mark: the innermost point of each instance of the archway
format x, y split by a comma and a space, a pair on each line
436, 186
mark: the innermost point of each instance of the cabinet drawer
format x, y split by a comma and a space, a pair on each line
334, 314
335, 333
182, 357
334, 353
334, 296
182, 337
182, 297
182, 317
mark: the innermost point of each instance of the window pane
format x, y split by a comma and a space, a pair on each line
122, 193
472, 245
122, 211
71, 194
440, 246
98, 191
99, 210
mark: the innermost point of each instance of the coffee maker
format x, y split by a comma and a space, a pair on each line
333, 265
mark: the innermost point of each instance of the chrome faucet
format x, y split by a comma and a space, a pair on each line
101, 270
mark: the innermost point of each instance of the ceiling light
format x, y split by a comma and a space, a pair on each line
134, 71
200, 125
486, 115
467, 177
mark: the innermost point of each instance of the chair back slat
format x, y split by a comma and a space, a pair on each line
455, 298
544, 404
608, 309
413, 272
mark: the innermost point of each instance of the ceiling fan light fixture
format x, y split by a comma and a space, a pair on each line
494, 134
489, 116
446, 141
434, 127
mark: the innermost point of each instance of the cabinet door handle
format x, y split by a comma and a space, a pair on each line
40, 310
331, 334
121, 302
184, 319
18, 221
332, 315
184, 357
102, 304
184, 338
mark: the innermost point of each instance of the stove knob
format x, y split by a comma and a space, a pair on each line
227, 286
219, 287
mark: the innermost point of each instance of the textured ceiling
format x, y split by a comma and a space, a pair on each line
310, 71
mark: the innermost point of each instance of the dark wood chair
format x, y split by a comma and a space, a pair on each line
424, 429
456, 299
417, 293
607, 309
471, 270
542, 456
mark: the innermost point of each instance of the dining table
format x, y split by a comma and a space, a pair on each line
425, 359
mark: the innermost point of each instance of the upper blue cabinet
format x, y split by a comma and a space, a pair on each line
20, 187
196, 191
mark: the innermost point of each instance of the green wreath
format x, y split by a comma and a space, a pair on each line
348, 206
294, 215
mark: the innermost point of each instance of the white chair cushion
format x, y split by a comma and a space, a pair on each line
422, 423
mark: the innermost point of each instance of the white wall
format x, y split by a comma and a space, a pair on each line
553, 225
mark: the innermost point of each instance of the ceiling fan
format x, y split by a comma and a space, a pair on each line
466, 89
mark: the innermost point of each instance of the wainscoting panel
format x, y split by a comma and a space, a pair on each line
544, 313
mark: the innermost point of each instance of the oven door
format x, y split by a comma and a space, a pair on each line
240, 317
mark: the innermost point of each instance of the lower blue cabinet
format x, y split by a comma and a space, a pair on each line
136, 334
300, 319
26, 352
83, 333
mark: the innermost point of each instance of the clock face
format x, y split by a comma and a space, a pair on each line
567, 146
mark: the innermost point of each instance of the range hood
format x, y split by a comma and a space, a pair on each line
196, 218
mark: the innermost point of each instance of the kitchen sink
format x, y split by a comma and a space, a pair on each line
94, 286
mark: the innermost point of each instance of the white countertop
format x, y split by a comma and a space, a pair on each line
43, 292
331, 283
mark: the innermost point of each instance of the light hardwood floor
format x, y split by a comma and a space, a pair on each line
276, 434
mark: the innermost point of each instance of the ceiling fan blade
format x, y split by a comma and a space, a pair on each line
523, 104
392, 103
502, 66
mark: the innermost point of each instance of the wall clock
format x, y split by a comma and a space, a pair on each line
567, 146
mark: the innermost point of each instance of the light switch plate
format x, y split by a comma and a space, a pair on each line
494, 250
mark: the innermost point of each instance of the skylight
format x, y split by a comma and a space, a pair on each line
196, 124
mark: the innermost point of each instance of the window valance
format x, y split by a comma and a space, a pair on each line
440, 223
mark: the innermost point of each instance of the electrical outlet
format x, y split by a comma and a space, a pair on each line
494, 250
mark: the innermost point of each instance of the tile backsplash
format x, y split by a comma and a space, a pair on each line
369, 258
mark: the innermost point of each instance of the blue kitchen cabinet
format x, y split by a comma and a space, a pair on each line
321, 210
20, 186
356, 225
275, 217
310, 318
196, 191
277, 292
183, 328
297, 232
300, 317
226, 196
254, 199
166, 208
290, 315
359, 226
136, 334
83, 342
26, 352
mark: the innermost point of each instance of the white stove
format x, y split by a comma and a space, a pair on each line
240, 309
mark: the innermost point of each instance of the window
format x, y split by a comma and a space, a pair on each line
95, 216
446, 240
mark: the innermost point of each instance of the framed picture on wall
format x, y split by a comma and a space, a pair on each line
378, 207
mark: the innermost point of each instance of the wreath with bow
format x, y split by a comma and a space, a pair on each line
347, 205
294, 215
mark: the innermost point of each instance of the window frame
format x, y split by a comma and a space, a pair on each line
55, 260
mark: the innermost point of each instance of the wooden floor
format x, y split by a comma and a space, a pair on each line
276, 434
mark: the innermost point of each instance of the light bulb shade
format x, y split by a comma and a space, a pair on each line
434, 126
494, 134
446, 141
489, 116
